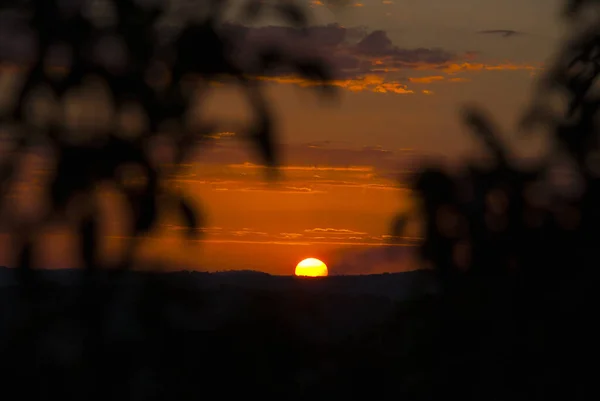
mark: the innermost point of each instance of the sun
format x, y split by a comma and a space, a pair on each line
311, 267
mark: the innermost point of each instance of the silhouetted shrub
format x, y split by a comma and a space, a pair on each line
156, 72
515, 247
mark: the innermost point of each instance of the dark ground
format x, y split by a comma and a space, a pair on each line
164, 338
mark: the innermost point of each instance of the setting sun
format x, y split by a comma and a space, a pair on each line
311, 267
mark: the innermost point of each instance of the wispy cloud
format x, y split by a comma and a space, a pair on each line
247, 232
427, 80
307, 237
290, 235
309, 169
253, 166
464, 67
279, 189
334, 231
367, 83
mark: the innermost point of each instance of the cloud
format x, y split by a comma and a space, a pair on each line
333, 3
368, 83
297, 243
310, 157
506, 33
247, 232
334, 231
309, 169
378, 48
249, 236
346, 184
276, 188
427, 80
464, 67
360, 60
290, 235
308, 186
221, 135
458, 80
306, 168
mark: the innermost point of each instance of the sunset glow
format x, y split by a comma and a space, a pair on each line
311, 267
345, 167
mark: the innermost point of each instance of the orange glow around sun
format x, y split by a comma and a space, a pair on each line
311, 267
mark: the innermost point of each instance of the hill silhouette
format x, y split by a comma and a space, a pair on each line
274, 335
394, 286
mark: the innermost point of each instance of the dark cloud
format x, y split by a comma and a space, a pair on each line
377, 44
351, 52
337, 3
358, 59
506, 33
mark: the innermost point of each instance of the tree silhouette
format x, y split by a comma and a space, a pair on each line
514, 247
123, 49
157, 76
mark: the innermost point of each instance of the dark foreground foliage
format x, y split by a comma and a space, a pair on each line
157, 61
513, 247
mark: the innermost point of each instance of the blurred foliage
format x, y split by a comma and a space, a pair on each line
124, 47
515, 244
157, 61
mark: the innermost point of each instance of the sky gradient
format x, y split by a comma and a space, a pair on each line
404, 68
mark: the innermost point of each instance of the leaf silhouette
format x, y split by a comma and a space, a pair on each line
482, 127
201, 50
261, 132
145, 212
293, 14
24, 270
189, 216
574, 6
88, 237
165, 79
318, 72
75, 167
270, 57
252, 9
399, 225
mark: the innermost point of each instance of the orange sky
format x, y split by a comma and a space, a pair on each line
405, 68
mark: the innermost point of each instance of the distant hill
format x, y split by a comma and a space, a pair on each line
221, 331
395, 286
316, 309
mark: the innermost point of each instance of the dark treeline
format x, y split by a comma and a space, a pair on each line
513, 248
159, 70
